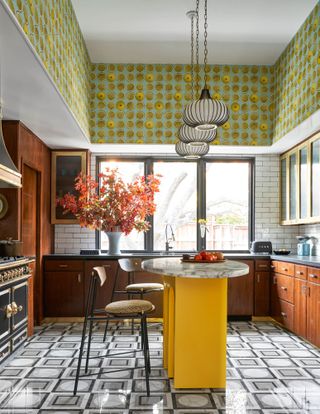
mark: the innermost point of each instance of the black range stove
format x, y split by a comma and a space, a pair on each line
14, 274
13, 267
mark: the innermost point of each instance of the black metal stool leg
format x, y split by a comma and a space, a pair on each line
145, 352
89, 345
147, 343
83, 338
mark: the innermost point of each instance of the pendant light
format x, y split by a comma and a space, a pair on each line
191, 152
206, 113
186, 133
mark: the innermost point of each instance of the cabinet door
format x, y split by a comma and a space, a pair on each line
284, 190
63, 294
303, 183
293, 186
313, 320
5, 300
66, 165
315, 178
261, 293
300, 307
19, 304
241, 293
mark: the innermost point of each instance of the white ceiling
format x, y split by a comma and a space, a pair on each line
158, 31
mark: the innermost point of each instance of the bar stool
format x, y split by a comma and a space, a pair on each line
133, 266
122, 309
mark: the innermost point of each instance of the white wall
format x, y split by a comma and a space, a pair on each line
72, 238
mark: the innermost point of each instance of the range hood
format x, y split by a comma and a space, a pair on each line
9, 175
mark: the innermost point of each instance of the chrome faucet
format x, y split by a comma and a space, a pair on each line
169, 239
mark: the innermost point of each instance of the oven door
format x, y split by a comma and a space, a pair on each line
5, 313
19, 305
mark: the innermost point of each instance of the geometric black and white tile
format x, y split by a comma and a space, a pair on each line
270, 371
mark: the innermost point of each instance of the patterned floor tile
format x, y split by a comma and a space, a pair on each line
269, 371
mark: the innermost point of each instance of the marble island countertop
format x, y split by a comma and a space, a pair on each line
172, 266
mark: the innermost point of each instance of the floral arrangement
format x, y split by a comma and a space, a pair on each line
117, 206
203, 227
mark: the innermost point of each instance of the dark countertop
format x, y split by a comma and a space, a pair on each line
303, 260
147, 256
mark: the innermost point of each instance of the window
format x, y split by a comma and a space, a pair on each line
218, 190
176, 205
227, 205
129, 170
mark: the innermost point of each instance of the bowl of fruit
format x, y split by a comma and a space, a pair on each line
204, 257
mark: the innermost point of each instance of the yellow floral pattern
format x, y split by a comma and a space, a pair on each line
297, 78
53, 30
144, 103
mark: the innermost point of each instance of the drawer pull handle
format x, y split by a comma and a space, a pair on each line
313, 276
284, 288
79, 277
8, 311
16, 308
284, 269
283, 314
63, 265
272, 267
299, 273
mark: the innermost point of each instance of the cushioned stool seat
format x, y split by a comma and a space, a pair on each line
128, 307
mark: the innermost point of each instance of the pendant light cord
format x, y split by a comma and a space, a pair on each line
192, 56
197, 47
205, 43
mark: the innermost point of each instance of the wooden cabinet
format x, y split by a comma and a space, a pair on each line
64, 293
241, 293
300, 183
262, 287
282, 293
65, 166
67, 283
300, 307
262, 294
313, 313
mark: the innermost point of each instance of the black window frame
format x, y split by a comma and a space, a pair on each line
148, 161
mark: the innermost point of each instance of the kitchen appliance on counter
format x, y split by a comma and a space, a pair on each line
261, 247
303, 248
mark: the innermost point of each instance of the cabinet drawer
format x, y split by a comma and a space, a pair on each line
285, 268
262, 265
286, 314
62, 265
301, 272
284, 287
314, 274
274, 266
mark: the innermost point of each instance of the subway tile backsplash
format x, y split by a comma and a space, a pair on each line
72, 238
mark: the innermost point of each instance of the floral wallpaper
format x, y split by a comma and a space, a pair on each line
53, 30
297, 78
144, 103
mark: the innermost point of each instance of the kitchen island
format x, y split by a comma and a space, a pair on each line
195, 319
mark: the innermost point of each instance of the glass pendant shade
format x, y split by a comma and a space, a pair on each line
205, 114
193, 137
191, 152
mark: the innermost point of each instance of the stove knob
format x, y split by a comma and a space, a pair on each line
5, 276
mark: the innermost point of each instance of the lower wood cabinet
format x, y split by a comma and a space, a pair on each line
240, 293
282, 295
261, 293
313, 313
300, 311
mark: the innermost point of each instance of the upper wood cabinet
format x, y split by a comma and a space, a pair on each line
65, 166
300, 183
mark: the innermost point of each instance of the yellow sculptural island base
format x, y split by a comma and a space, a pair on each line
195, 331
